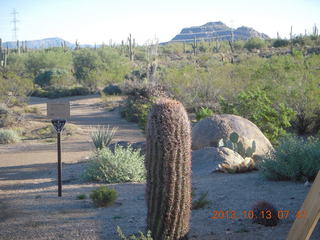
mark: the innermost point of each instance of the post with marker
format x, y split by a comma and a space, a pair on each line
59, 112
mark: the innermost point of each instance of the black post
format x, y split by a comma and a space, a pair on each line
59, 165
58, 126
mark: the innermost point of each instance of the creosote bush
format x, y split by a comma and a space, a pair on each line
8, 136
118, 166
295, 159
103, 196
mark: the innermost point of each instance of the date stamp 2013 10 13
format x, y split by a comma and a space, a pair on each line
250, 214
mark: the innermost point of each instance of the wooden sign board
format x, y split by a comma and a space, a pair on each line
58, 110
302, 228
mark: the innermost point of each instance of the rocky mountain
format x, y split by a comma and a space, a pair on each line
217, 30
44, 43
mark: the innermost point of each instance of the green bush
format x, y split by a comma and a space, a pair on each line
203, 112
8, 136
8, 117
57, 92
280, 43
54, 77
118, 166
133, 237
102, 136
103, 196
295, 159
138, 104
254, 43
112, 89
271, 118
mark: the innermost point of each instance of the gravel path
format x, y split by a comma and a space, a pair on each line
30, 208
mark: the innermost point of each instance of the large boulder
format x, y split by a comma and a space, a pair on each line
208, 132
222, 159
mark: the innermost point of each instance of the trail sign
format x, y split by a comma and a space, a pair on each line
58, 124
58, 110
302, 228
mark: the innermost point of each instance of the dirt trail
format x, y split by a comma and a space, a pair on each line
28, 201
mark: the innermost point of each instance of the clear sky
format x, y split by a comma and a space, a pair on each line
98, 21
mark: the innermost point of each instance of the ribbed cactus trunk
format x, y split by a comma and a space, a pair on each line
168, 164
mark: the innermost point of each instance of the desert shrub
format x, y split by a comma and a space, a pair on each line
280, 43
254, 43
57, 92
117, 166
295, 159
81, 196
203, 112
49, 131
36, 61
8, 136
139, 101
201, 202
32, 109
103, 196
8, 117
102, 136
271, 118
14, 89
54, 77
112, 89
94, 68
133, 237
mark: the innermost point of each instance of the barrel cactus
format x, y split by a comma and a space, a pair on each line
168, 164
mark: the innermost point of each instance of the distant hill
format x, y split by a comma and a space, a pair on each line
44, 43
217, 30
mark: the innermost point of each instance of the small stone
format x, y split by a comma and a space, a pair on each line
307, 184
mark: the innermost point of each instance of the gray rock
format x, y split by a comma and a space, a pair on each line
208, 132
209, 159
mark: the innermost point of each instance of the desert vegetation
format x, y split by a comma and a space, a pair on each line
246, 105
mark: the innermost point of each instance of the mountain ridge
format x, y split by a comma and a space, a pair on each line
217, 31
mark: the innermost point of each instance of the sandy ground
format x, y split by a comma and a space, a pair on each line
30, 208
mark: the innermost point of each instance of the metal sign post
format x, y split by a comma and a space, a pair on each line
58, 125
59, 112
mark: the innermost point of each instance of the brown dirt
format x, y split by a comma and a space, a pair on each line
30, 208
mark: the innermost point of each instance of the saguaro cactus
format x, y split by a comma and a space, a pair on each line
168, 164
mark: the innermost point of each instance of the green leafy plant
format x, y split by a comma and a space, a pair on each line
272, 119
81, 196
8, 136
295, 159
254, 43
201, 202
133, 237
102, 136
120, 165
203, 112
103, 196
236, 145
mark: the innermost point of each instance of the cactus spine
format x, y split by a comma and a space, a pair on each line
168, 164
